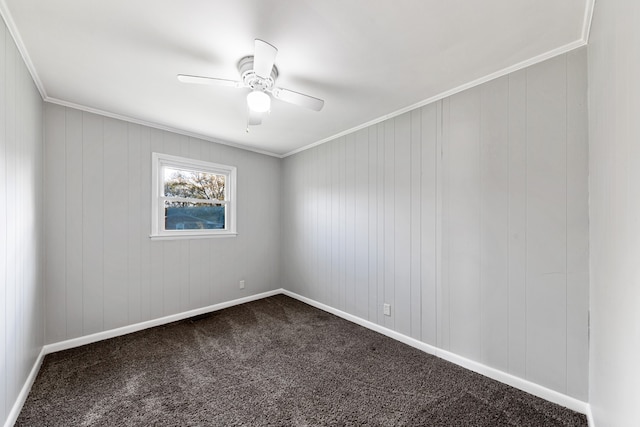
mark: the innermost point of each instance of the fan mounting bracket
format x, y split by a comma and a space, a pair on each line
253, 81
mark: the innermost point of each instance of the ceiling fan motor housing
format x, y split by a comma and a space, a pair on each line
252, 80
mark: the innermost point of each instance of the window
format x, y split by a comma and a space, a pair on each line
192, 198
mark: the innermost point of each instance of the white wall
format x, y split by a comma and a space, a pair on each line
468, 216
102, 270
21, 218
614, 186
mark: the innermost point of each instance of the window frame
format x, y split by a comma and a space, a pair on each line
159, 162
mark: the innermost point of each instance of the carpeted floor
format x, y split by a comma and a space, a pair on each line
274, 362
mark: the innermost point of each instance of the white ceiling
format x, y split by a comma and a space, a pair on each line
367, 59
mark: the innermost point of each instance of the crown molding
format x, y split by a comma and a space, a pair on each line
503, 72
158, 126
13, 30
588, 19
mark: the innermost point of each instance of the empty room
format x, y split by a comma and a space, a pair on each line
309, 213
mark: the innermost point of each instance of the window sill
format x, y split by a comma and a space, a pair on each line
191, 236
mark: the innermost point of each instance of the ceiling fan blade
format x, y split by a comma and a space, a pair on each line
264, 58
297, 98
254, 118
185, 78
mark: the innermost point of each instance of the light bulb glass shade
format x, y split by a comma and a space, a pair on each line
259, 101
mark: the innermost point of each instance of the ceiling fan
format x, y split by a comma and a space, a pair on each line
259, 74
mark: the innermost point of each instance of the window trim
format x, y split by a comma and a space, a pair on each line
161, 160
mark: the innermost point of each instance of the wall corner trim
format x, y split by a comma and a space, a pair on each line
519, 383
24, 392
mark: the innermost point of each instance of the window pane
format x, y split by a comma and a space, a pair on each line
193, 216
193, 185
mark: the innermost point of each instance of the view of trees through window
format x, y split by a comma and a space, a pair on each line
200, 211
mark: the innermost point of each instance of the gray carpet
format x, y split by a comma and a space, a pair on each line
273, 362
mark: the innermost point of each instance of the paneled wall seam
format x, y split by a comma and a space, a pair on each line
526, 221
566, 221
66, 194
509, 258
102, 228
481, 142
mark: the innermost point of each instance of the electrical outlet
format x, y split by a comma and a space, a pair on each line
386, 309
241, 284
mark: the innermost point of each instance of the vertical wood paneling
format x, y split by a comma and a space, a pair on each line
389, 222
92, 224
517, 216
171, 272
55, 164
301, 218
614, 212
73, 222
433, 212
286, 239
372, 232
546, 224
303, 256
428, 219
380, 222
5, 398
577, 222
312, 218
17, 222
341, 220
116, 254
324, 224
415, 226
304, 271
350, 225
13, 325
462, 190
494, 230
144, 229
312, 236
402, 223
105, 214
22, 315
361, 224
134, 215
443, 252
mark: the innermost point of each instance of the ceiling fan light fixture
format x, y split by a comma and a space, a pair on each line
258, 101
258, 72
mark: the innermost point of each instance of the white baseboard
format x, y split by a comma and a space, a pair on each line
427, 348
24, 392
112, 333
503, 377
519, 383
590, 420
